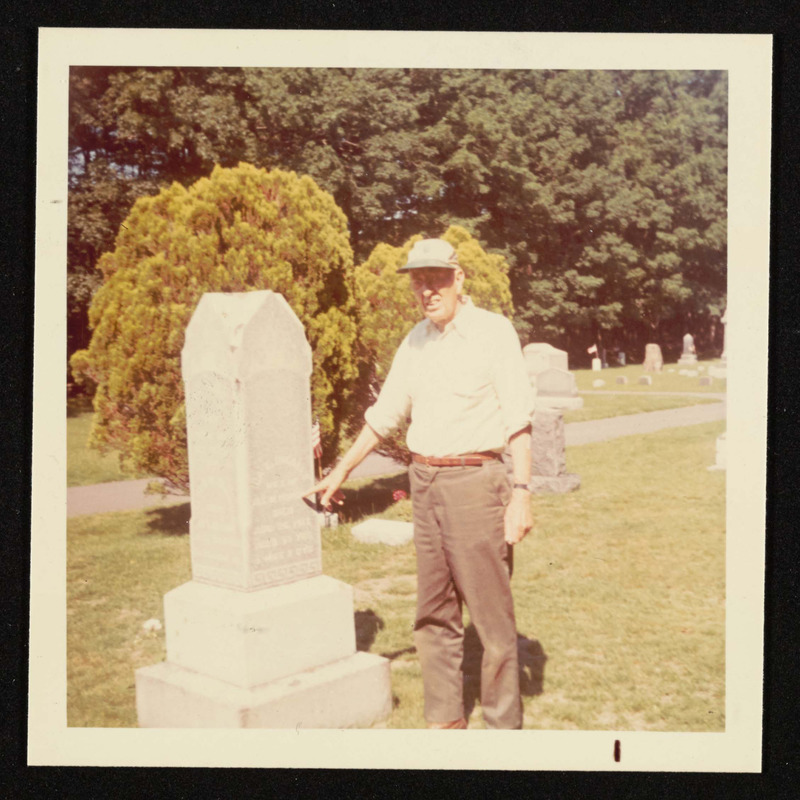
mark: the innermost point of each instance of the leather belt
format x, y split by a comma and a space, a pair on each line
467, 460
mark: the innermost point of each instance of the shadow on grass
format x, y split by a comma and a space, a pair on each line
373, 498
368, 623
532, 659
170, 520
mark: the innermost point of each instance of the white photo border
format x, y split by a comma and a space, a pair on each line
748, 60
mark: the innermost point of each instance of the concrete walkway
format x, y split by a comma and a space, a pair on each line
130, 495
600, 430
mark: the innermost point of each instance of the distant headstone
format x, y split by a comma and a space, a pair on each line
556, 388
328, 519
598, 382
621, 379
653, 360
701, 368
597, 364
384, 531
234, 654
721, 454
540, 356
671, 369
706, 380
621, 358
692, 373
548, 454
689, 355
542, 359
683, 372
646, 380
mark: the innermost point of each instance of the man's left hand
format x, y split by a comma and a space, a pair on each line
518, 518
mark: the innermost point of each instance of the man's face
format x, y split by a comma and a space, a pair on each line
437, 289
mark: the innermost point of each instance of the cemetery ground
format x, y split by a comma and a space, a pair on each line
619, 592
668, 380
86, 466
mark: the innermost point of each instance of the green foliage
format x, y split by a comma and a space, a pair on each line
604, 190
240, 230
387, 310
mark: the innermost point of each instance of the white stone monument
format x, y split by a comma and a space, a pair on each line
259, 638
549, 373
689, 354
653, 359
540, 356
548, 454
557, 388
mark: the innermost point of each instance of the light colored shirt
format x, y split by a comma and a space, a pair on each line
465, 388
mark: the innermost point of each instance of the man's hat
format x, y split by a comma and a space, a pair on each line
431, 253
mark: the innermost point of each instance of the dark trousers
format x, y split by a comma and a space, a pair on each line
462, 556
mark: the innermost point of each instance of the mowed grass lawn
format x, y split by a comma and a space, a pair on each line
619, 590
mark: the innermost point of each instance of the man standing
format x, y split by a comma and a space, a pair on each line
461, 377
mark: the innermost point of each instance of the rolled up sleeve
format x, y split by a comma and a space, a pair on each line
513, 386
394, 402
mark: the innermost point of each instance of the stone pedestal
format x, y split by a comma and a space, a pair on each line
597, 365
548, 454
259, 637
350, 693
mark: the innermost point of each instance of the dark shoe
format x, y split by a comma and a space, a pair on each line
457, 724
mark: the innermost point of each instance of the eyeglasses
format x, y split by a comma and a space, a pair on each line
434, 278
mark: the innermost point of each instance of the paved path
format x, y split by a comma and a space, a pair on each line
600, 430
116, 496
130, 495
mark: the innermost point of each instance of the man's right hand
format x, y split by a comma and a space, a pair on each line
329, 487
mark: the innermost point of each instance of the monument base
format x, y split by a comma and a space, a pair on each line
688, 358
353, 692
251, 638
555, 484
543, 401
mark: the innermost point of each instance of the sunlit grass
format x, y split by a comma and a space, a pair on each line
619, 591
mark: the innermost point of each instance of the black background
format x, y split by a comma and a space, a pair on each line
18, 54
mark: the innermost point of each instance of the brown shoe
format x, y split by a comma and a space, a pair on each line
457, 724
